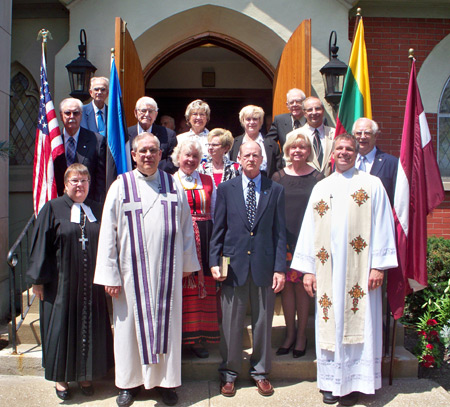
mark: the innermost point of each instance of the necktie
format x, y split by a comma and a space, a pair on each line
318, 147
362, 164
296, 124
100, 123
71, 148
250, 202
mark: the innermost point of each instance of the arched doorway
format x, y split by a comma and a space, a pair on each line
221, 70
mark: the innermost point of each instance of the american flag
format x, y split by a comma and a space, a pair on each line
49, 145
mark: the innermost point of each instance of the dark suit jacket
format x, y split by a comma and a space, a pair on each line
274, 158
88, 118
91, 152
385, 167
281, 126
259, 250
168, 141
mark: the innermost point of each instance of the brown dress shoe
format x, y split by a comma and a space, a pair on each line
264, 387
227, 389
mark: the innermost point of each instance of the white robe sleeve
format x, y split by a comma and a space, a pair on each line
107, 271
304, 259
383, 245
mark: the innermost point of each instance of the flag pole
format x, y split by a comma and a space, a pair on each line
394, 328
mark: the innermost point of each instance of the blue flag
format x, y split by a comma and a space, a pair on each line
118, 158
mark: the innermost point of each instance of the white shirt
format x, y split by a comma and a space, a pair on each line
96, 109
257, 181
370, 158
321, 130
66, 137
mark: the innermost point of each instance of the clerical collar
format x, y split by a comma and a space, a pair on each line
347, 174
148, 177
76, 211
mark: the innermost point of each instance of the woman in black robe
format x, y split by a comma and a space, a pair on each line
75, 328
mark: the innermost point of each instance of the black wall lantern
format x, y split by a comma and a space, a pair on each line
333, 74
80, 71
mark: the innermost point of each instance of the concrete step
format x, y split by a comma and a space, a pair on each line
27, 362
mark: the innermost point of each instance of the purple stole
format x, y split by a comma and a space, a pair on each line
152, 315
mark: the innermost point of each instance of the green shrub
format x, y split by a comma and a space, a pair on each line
436, 297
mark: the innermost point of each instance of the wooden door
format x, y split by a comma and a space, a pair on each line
294, 67
129, 70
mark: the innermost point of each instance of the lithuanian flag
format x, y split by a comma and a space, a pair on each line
355, 100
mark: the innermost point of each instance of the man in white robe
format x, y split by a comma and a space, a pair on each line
347, 363
130, 266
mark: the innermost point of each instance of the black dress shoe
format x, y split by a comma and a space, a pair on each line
284, 351
200, 351
328, 397
169, 396
87, 390
299, 353
350, 399
63, 394
126, 396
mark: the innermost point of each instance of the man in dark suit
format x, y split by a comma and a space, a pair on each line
286, 122
146, 111
371, 159
95, 114
249, 229
81, 146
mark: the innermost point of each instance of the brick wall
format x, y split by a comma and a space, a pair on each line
388, 41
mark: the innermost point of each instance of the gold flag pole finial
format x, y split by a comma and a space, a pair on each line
45, 35
113, 52
411, 53
358, 12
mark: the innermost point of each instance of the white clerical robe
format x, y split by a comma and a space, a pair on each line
114, 268
355, 367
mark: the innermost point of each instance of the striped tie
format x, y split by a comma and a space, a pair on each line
71, 148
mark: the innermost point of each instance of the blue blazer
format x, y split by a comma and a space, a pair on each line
168, 141
88, 118
259, 250
385, 167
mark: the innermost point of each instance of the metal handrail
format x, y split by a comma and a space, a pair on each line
15, 255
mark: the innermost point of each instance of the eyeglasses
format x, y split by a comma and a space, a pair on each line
360, 133
295, 101
75, 181
151, 151
99, 89
145, 111
68, 113
214, 145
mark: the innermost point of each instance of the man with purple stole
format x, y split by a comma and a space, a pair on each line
146, 246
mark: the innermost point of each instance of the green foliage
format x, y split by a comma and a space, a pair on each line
429, 309
436, 297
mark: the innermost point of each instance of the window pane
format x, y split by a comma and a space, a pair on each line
444, 146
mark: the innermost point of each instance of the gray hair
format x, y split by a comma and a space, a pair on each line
311, 98
145, 100
374, 125
141, 136
70, 100
188, 145
99, 78
290, 91
197, 104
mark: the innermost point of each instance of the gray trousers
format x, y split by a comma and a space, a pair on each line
234, 307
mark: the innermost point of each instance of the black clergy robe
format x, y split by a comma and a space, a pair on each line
75, 327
